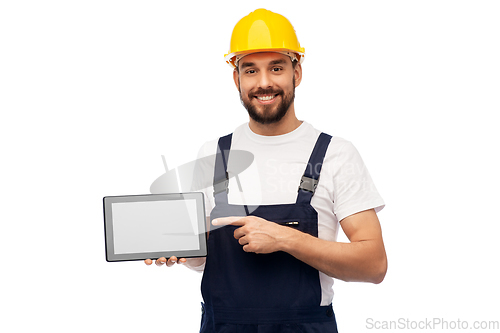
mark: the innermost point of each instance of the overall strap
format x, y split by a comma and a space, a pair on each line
310, 179
221, 179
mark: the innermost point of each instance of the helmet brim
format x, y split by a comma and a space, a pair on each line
231, 57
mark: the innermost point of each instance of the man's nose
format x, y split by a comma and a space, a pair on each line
264, 80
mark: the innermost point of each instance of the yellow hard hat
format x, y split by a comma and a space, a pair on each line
263, 31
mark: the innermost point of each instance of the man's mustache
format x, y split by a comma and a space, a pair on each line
269, 91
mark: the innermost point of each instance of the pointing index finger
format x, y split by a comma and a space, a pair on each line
231, 220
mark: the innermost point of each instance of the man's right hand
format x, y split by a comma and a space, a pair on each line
170, 262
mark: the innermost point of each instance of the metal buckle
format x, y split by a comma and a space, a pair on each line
222, 185
308, 184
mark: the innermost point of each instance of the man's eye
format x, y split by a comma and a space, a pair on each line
250, 71
276, 69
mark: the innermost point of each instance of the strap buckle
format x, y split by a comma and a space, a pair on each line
308, 184
222, 185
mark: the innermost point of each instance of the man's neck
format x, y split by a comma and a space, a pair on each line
287, 124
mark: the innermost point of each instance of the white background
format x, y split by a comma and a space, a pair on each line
93, 92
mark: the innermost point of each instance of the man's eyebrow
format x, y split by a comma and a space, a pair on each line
274, 62
247, 64
277, 62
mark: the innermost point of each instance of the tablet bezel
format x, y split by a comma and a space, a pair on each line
108, 226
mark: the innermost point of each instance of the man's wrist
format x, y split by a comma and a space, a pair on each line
289, 239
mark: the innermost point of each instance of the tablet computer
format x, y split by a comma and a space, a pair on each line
151, 226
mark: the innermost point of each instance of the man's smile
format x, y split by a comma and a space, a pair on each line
266, 99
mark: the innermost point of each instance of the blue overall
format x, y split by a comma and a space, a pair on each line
248, 292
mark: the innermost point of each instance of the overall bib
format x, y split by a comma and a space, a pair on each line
249, 292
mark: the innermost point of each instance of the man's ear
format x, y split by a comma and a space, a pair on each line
236, 78
298, 74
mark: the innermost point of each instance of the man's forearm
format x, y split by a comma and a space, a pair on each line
363, 261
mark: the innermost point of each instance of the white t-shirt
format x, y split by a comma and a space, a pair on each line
344, 188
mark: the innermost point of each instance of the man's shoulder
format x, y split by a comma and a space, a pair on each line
338, 147
337, 143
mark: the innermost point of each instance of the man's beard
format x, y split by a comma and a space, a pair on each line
267, 116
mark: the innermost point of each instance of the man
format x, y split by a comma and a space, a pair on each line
272, 249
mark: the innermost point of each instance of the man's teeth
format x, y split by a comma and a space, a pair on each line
265, 98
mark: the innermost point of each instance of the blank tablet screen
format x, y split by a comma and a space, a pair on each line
151, 226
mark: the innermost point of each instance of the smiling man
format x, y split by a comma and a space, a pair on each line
268, 89
272, 250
